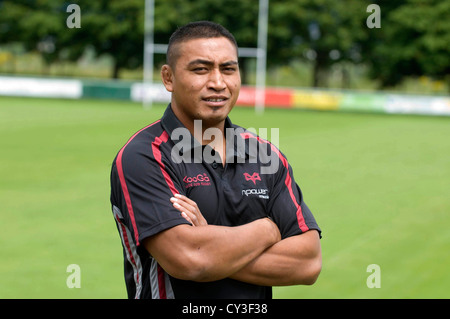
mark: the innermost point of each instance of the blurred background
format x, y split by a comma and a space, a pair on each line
315, 43
362, 100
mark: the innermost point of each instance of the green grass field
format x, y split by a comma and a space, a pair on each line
377, 184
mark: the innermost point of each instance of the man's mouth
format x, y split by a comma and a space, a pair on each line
214, 100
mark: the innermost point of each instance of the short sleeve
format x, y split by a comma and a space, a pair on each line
287, 206
142, 186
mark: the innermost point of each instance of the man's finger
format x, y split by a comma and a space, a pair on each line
189, 216
186, 199
184, 204
185, 216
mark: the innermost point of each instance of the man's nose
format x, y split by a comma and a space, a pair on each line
216, 81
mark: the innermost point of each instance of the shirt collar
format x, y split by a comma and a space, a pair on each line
170, 123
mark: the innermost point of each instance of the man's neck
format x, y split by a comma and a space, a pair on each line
212, 134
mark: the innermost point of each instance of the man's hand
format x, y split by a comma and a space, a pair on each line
189, 210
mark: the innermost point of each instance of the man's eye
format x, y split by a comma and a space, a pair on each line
229, 70
200, 69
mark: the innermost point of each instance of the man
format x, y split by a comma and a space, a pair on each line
209, 226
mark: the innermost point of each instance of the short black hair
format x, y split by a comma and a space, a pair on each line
196, 30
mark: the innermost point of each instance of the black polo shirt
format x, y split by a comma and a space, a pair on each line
157, 162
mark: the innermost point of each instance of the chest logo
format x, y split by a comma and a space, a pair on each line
255, 177
198, 180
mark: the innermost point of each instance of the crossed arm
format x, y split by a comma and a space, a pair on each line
253, 253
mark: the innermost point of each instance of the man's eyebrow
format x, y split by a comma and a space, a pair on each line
228, 63
200, 61
207, 62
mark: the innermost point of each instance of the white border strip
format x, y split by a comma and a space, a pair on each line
37, 87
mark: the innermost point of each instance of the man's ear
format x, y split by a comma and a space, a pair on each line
167, 77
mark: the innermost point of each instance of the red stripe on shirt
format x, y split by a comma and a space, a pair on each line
161, 282
127, 245
157, 154
287, 181
123, 183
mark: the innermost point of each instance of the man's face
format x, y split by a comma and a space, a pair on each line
205, 80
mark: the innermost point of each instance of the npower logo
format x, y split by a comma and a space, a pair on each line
261, 193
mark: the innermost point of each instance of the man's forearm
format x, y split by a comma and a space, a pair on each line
209, 253
292, 261
225, 250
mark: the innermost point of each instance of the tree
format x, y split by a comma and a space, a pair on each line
413, 41
112, 27
116, 27
239, 17
320, 31
35, 24
323, 31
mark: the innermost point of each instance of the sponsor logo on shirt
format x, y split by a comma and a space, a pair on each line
197, 180
260, 192
255, 177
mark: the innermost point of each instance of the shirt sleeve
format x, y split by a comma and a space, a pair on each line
287, 206
141, 186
